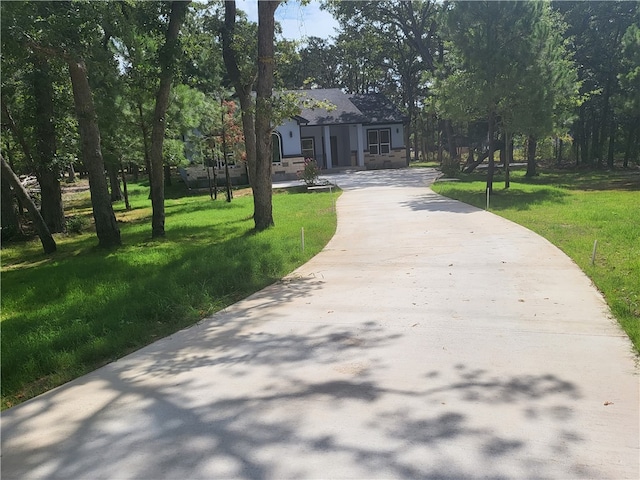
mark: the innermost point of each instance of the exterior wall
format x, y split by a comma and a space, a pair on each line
195, 176
290, 133
397, 133
347, 148
396, 158
288, 169
316, 134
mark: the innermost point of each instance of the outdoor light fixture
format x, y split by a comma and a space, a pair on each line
290, 133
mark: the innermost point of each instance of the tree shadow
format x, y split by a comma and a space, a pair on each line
196, 409
469, 202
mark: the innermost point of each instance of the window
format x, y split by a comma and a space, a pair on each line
379, 141
276, 148
308, 149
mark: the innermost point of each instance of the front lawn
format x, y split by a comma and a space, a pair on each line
66, 314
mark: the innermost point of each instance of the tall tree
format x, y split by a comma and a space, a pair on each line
401, 39
29, 83
69, 31
47, 167
628, 102
167, 59
262, 189
501, 72
596, 30
234, 48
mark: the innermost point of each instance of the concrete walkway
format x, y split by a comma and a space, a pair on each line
428, 340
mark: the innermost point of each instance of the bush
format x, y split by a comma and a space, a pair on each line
310, 172
450, 166
77, 224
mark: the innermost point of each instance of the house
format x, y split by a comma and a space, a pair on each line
364, 131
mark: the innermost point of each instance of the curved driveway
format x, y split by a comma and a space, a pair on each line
429, 339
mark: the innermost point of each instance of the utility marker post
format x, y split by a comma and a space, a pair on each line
302, 238
593, 254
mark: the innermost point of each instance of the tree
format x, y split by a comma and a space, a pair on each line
30, 112
262, 189
595, 32
68, 31
167, 58
9, 221
508, 68
401, 41
242, 73
48, 243
628, 103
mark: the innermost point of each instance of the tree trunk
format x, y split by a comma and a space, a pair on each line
491, 168
48, 243
167, 56
9, 224
532, 145
47, 170
145, 145
125, 192
594, 154
51, 194
629, 144
611, 151
243, 90
51, 199
585, 126
72, 173
106, 226
508, 157
560, 147
114, 183
451, 143
18, 134
262, 192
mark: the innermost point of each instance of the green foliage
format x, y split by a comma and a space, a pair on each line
65, 315
572, 210
450, 166
509, 59
77, 224
310, 172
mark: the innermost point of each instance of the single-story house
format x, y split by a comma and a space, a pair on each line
363, 131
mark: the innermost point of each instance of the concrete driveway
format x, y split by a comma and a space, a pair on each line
429, 339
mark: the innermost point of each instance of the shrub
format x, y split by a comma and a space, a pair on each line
76, 224
310, 172
450, 166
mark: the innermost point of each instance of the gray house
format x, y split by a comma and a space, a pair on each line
364, 131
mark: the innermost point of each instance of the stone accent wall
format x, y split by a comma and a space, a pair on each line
396, 158
287, 169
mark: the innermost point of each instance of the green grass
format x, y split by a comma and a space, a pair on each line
66, 314
572, 210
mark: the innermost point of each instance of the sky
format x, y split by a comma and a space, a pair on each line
297, 21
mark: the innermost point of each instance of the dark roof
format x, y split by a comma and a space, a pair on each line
361, 108
376, 107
